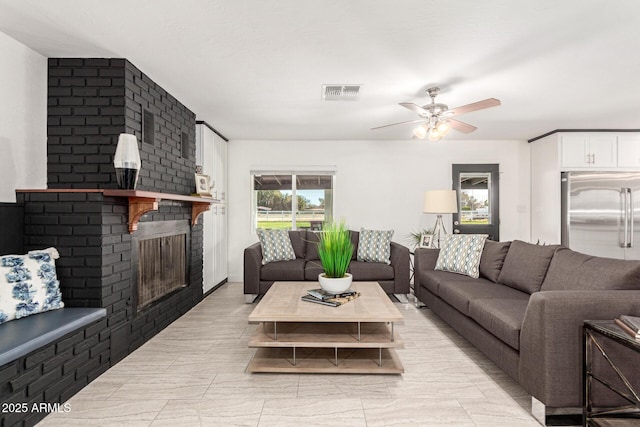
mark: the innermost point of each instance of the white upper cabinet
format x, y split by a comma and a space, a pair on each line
629, 151
220, 173
588, 151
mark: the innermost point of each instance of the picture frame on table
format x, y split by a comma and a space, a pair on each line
426, 240
203, 185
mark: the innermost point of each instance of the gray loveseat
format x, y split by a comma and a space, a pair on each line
527, 308
393, 277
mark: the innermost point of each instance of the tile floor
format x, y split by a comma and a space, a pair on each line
192, 374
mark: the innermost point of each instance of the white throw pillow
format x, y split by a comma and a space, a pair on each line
276, 245
461, 253
375, 246
28, 284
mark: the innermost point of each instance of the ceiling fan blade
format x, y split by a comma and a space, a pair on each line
399, 123
461, 126
414, 107
487, 103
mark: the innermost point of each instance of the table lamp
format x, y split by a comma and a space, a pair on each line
440, 202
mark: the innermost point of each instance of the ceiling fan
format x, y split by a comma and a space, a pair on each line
437, 117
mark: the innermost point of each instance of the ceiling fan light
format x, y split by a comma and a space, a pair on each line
434, 135
420, 132
444, 126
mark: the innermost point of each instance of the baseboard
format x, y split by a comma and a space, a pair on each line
234, 279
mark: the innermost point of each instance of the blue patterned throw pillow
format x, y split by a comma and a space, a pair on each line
375, 246
28, 284
460, 253
276, 245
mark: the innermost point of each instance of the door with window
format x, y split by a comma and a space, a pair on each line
477, 188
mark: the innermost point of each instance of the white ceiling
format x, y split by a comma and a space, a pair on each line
253, 69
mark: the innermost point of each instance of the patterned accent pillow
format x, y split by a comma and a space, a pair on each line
276, 245
460, 253
28, 284
375, 246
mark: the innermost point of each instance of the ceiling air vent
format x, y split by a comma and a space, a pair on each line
340, 92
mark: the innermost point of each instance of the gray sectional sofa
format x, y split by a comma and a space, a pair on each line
393, 277
527, 308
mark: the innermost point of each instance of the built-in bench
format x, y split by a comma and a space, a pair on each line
48, 357
23, 336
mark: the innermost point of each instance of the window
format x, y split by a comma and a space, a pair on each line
294, 201
475, 206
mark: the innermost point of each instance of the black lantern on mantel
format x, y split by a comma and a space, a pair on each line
127, 161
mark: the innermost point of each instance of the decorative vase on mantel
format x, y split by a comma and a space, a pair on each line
127, 161
335, 250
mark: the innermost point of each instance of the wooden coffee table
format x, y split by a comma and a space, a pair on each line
304, 337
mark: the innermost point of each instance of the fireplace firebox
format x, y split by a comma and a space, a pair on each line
159, 260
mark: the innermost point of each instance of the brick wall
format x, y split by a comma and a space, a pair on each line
90, 232
53, 373
91, 101
163, 166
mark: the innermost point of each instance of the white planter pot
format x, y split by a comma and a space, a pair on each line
335, 285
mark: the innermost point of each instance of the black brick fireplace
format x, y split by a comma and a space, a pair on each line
95, 269
91, 101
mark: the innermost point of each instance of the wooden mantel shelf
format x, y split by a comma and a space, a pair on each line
141, 202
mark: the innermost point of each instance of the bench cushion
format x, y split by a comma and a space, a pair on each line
20, 337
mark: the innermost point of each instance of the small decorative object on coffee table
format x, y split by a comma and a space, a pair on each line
295, 336
335, 250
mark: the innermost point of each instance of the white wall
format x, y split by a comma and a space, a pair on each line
23, 118
379, 184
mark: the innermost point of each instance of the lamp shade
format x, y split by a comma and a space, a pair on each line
440, 202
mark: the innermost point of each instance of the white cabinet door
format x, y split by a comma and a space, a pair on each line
209, 256
596, 151
603, 151
575, 151
211, 151
629, 151
220, 160
545, 190
221, 244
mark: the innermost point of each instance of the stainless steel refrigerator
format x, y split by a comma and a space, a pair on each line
601, 213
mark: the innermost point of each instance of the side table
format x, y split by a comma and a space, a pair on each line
595, 332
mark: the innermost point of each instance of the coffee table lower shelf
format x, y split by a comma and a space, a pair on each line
322, 361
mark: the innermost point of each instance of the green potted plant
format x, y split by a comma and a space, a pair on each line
335, 250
